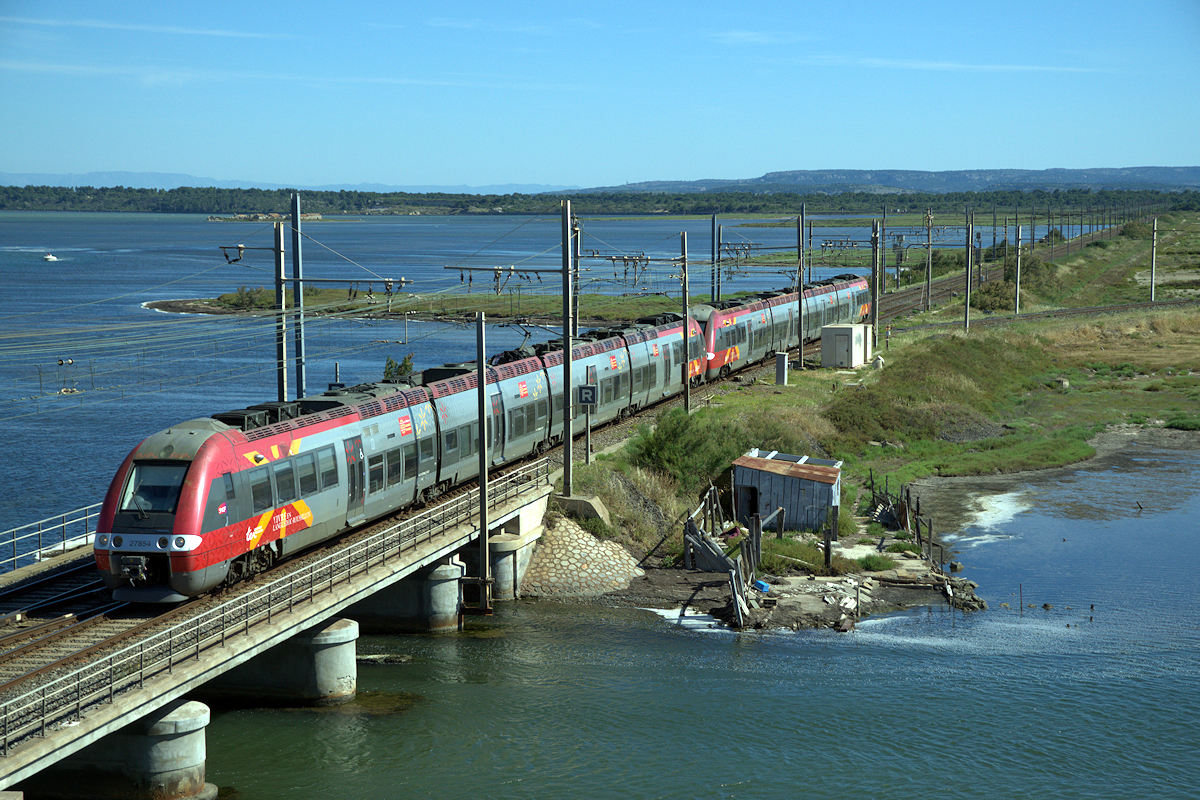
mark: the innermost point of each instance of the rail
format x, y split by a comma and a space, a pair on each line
65, 698
35, 541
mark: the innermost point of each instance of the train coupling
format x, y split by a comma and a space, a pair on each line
135, 569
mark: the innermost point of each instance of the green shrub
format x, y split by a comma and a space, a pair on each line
876, 563
903, 547
1184, 422
994, 296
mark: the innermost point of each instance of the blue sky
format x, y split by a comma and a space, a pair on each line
596, 93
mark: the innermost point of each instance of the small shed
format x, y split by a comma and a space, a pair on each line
845, 345
805, 487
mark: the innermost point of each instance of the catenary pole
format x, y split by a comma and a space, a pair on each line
281, 365
484, 419
687, 361
568, 407
298, 297
712, 272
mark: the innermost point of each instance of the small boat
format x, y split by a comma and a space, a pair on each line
49, 257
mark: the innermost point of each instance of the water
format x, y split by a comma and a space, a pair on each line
550, 700
139, 371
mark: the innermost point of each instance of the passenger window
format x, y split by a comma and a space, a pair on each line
375, 473
260, 490
306, 474
450, 444
426, 446
328, 467
285, 482
394, 473
410, 461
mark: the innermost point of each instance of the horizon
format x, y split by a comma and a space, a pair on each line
531, 94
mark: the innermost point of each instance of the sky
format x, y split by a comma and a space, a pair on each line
593, 94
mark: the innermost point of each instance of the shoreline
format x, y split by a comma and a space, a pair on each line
818, 602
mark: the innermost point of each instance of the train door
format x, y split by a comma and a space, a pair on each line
355, 484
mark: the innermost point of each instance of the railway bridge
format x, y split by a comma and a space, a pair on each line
393, 576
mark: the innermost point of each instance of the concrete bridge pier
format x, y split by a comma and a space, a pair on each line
510, 547
429, 601
316, 667
159, 757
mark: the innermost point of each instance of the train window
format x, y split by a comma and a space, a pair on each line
306, 473
450, 444
260, 490
427, 449
228, 479
516, 422
327, 464
468, 436
285, 482
410, 461
153, 487
394, 473
375, 473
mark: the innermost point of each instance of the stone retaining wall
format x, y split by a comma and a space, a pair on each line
570, 562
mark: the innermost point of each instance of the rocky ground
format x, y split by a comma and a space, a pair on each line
570, 564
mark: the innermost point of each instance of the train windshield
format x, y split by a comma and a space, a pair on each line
153, 487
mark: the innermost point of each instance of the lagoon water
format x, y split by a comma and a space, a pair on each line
554, 700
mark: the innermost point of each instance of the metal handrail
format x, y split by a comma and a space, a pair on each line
52, 534
65, 697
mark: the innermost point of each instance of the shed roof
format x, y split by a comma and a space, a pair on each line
803, 471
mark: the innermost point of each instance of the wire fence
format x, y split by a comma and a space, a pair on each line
37, 541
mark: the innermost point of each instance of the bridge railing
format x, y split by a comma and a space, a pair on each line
35, 541
63, 700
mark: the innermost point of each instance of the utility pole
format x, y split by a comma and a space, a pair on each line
298, 297
1017, 291
280, 318
687, 361
1153, 256
567, 252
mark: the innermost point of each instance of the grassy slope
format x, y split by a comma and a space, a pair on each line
946, 403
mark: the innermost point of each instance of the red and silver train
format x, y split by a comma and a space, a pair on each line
209, 501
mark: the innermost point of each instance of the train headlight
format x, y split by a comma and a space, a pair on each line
116, 541
162, 543
185, 543
101, 541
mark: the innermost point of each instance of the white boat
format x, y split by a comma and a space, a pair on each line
49, 257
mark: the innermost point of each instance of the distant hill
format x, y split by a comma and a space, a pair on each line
174, 180
895, 181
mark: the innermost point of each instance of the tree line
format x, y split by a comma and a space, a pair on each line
210, 200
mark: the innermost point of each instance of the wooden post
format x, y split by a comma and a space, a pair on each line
831, 521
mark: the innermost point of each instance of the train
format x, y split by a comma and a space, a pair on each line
211, 501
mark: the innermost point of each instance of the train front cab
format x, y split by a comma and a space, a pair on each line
148, 545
